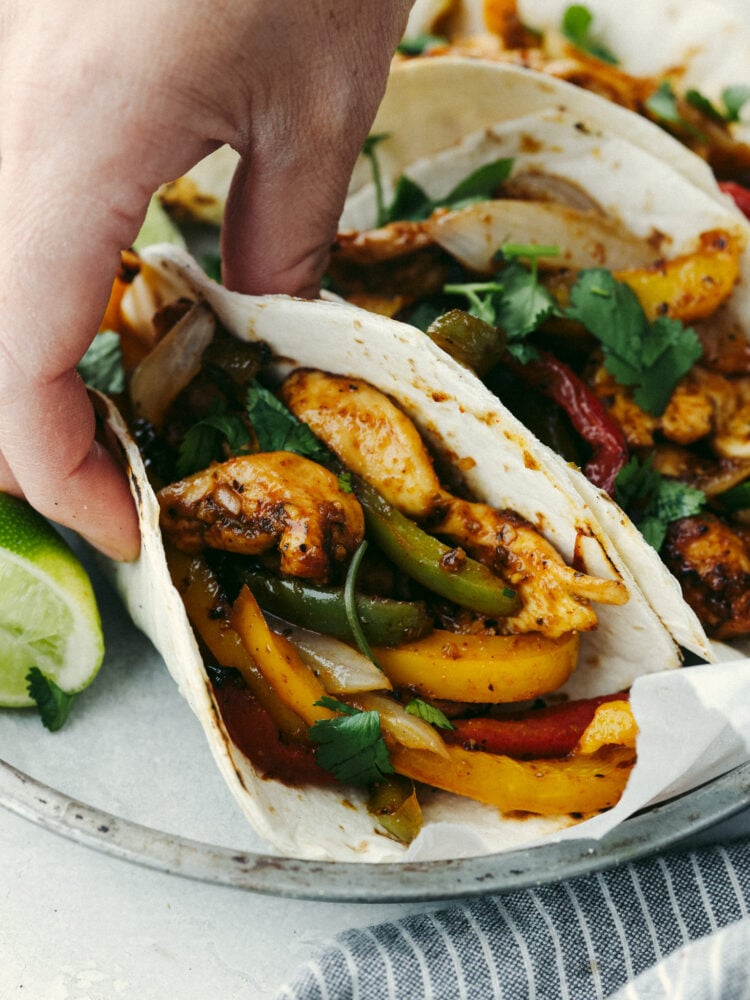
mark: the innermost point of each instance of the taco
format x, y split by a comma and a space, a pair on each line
691, 82
617, 290
486, 639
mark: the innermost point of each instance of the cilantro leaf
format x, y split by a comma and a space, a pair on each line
351, 747
701, 103
653, 357
515, 302
211, 264
483, 296
368, 151
523, 306
735, 98
423, 710
664, 107
53, 703
736, 498
653, 501
412, 204
663, 104
576, 26
277, 429
480, 185
204, 441
420, 44
101, 365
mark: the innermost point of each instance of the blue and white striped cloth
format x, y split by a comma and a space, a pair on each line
673, 926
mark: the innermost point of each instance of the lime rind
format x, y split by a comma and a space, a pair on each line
48, 612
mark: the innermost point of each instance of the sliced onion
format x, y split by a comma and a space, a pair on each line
170, 366
536, 185
345, 671
408, 730
585, 239
150, 291
342, 669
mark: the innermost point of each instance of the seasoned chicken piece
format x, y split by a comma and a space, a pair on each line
712, 563
730, 398
555, 597
378, 442
370, 435
372, 246
252, 504
705, 405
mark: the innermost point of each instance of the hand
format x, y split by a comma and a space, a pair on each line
100, 103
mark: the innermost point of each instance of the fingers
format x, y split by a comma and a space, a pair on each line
74, 185
288, 193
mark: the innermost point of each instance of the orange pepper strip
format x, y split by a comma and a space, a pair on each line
129, 267
481, 668
613, 723
579, 784
691, 286
278, 661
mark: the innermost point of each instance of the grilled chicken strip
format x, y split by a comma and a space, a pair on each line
252, 504
378, 442
712, 563
705, 405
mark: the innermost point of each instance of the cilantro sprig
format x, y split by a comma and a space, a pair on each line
410, 203
663, 105
101, 366
420, 44
277, 429
206, 440
351, 746
650, 356
655, 501
732, 101
577, 25
53, 704
515, 300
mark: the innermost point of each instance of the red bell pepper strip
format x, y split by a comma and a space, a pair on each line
740, 195
536, 733
587, 413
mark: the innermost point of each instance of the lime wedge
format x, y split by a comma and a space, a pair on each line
48, 613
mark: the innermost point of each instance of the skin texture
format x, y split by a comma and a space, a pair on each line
100, 103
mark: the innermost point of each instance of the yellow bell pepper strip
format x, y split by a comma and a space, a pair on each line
691, 286
276, 658
209, 615
394, 802
443, 570
584, 783
481, 668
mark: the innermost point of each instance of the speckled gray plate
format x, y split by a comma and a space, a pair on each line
651, 831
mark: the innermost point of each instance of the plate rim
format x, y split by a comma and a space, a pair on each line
648, 832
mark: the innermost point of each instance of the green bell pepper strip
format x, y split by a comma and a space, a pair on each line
385, 622
431, 563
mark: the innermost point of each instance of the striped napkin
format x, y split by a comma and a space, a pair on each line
676, 925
